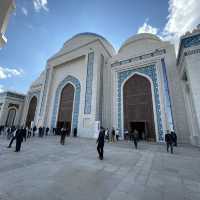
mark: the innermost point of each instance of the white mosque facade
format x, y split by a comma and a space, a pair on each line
87, 84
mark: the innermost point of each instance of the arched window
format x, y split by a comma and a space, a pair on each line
138, 107
11, 117
31, 111
66, 107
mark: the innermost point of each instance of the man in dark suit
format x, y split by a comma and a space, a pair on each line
174, 137
100, 143
19, 139
47, 131
34, 130
169, 141
64, 132
40, 132
134, 138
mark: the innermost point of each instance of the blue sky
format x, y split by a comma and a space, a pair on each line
38, 29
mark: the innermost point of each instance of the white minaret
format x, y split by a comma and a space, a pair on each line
6, 7
188, 63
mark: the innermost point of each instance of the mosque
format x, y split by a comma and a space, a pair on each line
88, 84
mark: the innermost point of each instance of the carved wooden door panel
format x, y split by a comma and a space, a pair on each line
31, 111
66, 107
138, 106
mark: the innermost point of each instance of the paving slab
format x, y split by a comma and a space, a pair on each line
46, 170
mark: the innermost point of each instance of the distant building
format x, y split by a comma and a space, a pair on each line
87, 81
6, 8
11, 108
188, 64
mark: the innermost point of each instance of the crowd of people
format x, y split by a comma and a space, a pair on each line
171, 140
133, 136
21, 134
112, 136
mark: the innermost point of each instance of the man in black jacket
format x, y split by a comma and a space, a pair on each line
13, 138
169, 141
100, 143
19, 139
174, 137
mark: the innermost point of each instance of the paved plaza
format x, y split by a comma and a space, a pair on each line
45, 170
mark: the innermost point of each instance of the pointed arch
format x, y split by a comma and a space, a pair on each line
31, 111
66, 106
138, 106
150, 73
11, 117
76, 102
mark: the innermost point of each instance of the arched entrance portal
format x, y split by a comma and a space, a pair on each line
31, 111
11, 117
138, 107
66, 107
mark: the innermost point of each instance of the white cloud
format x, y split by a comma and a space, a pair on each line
146, 28
30, 26
2, 88
40, 4
24, 11
9, 72
183, 16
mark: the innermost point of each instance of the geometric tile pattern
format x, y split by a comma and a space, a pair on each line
167, 103
44, 91
76, 104
89, 79
149, 71
190, 41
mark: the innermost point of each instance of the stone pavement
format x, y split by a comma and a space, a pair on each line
45, 170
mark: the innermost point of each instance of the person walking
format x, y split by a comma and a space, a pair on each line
47, 131
75, 132
135, 138
8, 131
117, 134
113, 135
19, 140
34, 130
13, 138
40, 132
107, 135
174, 137
24, 133
63, 135
28, 132
100, 143
169, 141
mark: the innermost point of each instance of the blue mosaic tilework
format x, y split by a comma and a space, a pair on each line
149, 71
168, 107
187, 42
75, 82
45, 91
89, 79
191, 41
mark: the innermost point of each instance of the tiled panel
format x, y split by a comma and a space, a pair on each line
45, 91
89, 79
76, 83
149, 71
